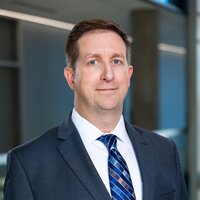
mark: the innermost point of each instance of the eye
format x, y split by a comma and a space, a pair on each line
116, 61
93, 62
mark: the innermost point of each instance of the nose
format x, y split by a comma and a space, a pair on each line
108, 73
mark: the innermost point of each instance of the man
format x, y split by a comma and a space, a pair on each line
95, 154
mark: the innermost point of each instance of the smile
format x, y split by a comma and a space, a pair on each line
107, 89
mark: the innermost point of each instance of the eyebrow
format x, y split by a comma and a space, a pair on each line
96, 55
93, 55
118, 55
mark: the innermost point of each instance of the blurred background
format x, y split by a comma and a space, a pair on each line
165, 92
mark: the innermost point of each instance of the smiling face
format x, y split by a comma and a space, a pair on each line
102, 76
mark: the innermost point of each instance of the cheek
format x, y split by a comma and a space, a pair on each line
123, 77
124, 82
83, 81
77, 77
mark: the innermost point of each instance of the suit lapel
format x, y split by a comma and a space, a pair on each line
146, 160
76, 156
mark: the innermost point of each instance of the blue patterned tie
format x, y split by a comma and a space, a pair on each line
120, 180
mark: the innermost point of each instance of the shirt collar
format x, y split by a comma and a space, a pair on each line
120, 131
89, 133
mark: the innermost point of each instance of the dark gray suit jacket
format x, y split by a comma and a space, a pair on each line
56, 166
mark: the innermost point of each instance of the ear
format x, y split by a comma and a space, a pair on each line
130, 71
69, 76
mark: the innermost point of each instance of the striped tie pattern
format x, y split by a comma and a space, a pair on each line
119, 177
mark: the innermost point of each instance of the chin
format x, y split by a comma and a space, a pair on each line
110, 108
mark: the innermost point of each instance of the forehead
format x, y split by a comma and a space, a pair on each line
101, 40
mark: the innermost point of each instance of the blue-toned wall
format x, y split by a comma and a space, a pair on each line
45, 97
172, 90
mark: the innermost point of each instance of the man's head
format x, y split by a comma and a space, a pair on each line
98, 71
71, 46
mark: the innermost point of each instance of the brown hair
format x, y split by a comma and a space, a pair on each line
71, 47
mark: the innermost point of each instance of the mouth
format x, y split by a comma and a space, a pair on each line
106, 89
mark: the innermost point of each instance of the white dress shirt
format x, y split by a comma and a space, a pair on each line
99, 154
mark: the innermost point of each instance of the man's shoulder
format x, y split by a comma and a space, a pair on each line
151, 136
160, 145
38, 144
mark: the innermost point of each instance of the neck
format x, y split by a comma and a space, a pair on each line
105, 121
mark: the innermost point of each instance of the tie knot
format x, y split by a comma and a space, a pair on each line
109, 140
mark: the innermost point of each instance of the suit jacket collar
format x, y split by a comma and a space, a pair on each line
75, 155
145, 156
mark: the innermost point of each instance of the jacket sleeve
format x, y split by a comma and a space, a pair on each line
16, 186
182, 190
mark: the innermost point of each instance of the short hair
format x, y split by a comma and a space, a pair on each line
71, 46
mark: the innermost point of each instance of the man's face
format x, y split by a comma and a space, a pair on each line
102, 75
